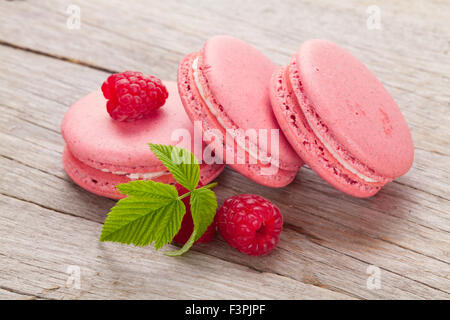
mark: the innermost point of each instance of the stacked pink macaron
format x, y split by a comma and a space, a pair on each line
325, 109
101, 152
225, 87
340, 119
332, 111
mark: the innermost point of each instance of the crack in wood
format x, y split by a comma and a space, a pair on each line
55, 56
22, 293
49, 208
29, 166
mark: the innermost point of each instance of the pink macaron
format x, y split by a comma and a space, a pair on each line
340, 119
224, 87
101, 152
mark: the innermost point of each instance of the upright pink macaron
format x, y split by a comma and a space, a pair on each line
340, 119
225, 87
101, 152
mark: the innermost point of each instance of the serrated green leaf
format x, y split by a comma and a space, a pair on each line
203, 208
181, 163
151, 213
147, 188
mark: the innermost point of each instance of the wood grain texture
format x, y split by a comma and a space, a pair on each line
39, 262
48, 223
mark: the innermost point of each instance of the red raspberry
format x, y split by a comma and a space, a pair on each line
133, 95
250, 224
187, 225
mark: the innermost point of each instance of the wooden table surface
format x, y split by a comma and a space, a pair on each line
332, 246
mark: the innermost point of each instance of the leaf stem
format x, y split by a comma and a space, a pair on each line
208, 186
187, 194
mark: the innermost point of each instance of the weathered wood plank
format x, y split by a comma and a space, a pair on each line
38, 247
342, 228
306, 243
329, 238
408, 54
31, 156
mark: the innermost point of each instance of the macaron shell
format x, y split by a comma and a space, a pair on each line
238, 77
101, 142
195, 109
96, 143
291, 119
355, 108
97, 181
104, 183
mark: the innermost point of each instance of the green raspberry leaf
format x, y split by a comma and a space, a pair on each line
152, 212
203, 207
181, 163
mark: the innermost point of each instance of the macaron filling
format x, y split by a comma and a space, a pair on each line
318, 127
195, 105
341, 161
260, 155
130, 174
139, 175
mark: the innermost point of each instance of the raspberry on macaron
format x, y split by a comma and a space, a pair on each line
250, 223
132, 95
